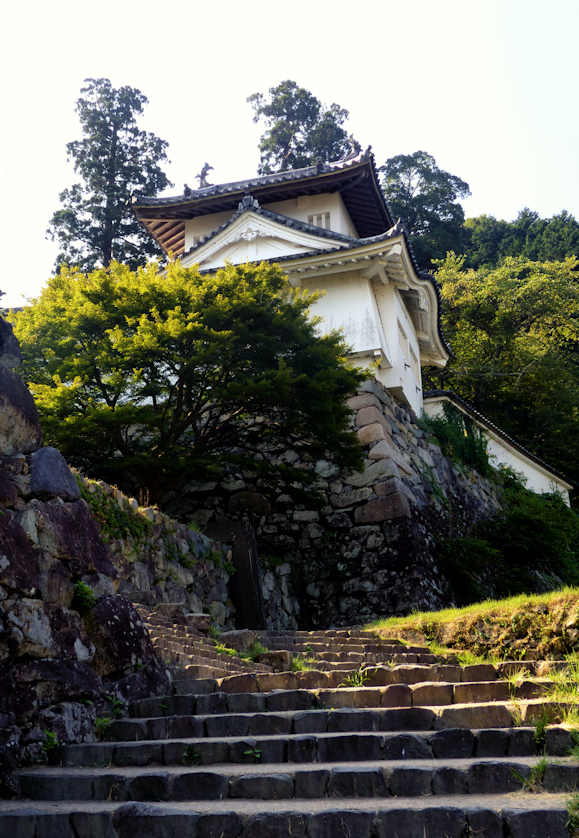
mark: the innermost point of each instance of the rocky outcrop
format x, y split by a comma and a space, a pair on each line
367, 548
72, 647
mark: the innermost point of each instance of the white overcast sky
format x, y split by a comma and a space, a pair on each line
489, 87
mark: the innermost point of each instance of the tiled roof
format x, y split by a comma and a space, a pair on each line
484, 420
356, 180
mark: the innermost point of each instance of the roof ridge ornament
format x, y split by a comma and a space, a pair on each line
202, 176
248, 202
354, 149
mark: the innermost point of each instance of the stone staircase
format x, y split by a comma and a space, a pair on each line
410, 746
188, 651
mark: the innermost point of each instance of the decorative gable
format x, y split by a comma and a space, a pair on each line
253, 236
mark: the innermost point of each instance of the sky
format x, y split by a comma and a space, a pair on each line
488, 87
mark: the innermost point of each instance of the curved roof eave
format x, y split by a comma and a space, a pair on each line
356, 179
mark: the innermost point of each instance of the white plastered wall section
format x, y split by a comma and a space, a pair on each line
501, 453
376, 327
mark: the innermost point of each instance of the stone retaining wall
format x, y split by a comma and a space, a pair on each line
368, 548
158, 559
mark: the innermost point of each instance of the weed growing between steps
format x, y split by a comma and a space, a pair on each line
534, 782
302, 663
251, 654
191, 756
355, 679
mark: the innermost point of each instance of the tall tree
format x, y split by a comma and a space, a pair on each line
146, 377
488, 240
115, 159
298, 129
425, 197
514, 333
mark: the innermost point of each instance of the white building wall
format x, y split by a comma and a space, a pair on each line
377, 328
347, 304
307, 205
404, 377
537, 478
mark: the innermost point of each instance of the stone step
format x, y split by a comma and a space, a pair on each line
319, 747
311, 780
373, 676
521, 815
393, 695
179, 650
278, 720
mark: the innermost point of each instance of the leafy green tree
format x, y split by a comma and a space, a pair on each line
489, 240
515, 336
298, 129
145, 377
425, 197
114, 159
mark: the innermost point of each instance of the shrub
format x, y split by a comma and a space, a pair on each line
532, 535
84, 598
459, 438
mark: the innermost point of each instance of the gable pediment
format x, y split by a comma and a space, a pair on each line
252, 237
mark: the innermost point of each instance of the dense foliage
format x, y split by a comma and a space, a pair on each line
144, 377
532, 545
425, 197
114, 159
299, 130
489, 240
459, 438
515, 334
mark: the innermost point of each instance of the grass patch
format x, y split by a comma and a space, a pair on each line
507, 629
251, 654
573, 814
222, 649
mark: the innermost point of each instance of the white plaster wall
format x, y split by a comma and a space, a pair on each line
300, 208
257, 250
348, 304
501, 453
199, 228
404, 376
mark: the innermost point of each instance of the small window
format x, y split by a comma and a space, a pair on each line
321, 219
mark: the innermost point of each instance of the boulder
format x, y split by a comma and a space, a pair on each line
69, 532
26, 686
19, 426
124, 653
10, 355
71, 721
51, 476
18, 559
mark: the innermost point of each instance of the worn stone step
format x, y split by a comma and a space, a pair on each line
452, 816
421, 694
373, 676
310, 780
277, 720
316, 747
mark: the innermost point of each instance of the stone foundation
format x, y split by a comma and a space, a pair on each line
367, 548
